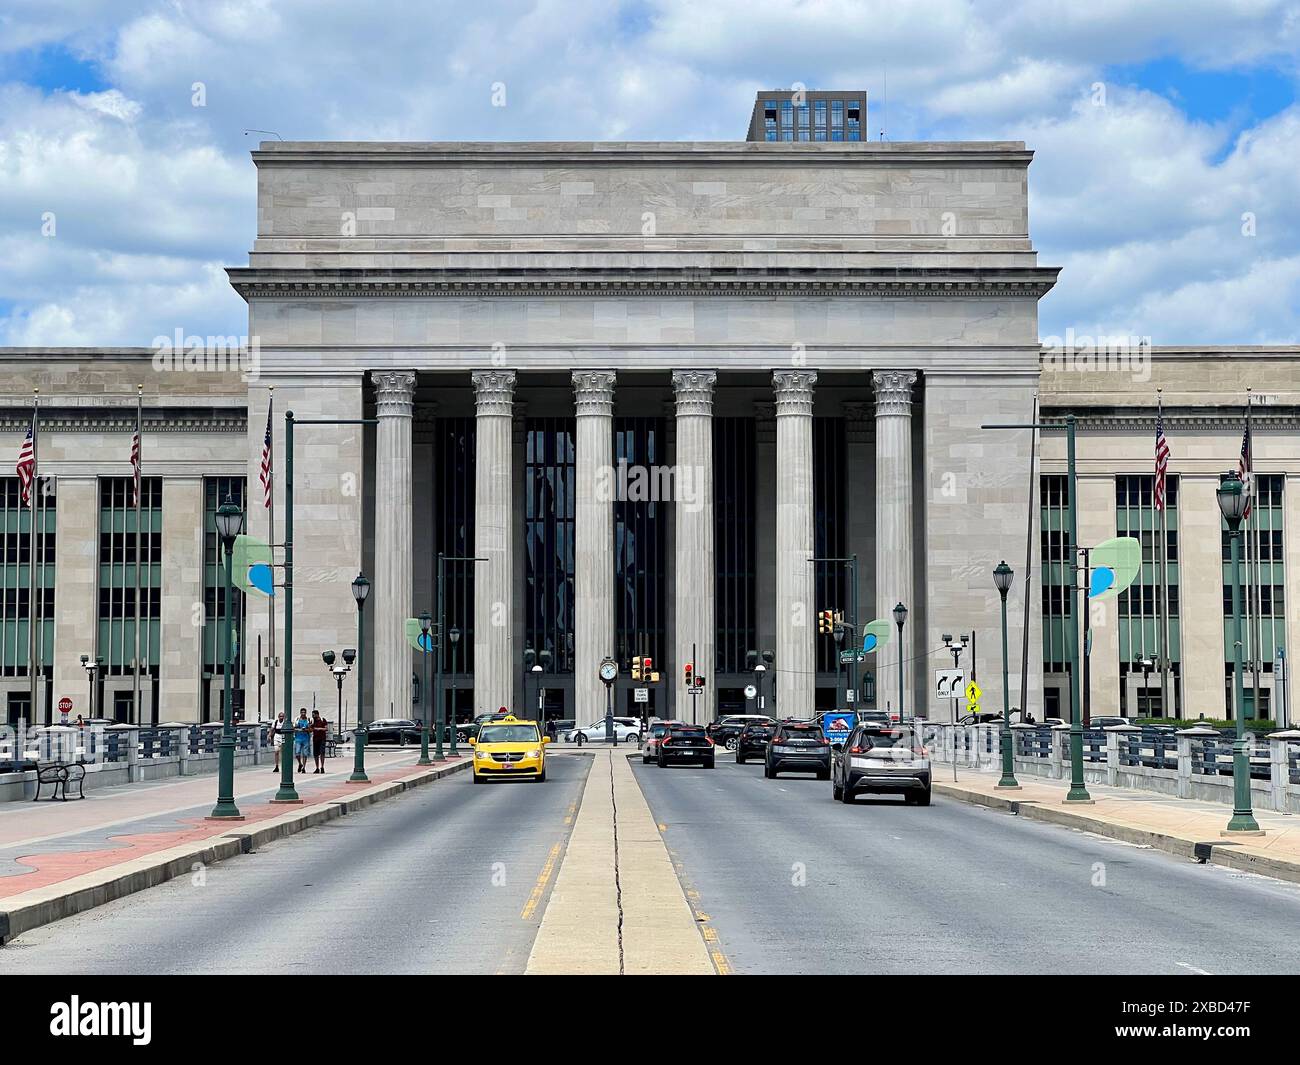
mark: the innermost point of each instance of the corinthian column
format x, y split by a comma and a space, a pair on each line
693, 506
894, 562
494, 660
593, 571
796, 663
394, 401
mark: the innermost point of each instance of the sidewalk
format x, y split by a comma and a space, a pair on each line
1188, 828
59, 858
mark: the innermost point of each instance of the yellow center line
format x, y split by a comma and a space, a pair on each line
542, 879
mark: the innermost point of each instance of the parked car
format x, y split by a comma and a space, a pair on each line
650, 748
625, 728
399, 730
1106, 721
468, 730
752, 741
984, 717
798, 746
881, 759
685, 743
876, 717
726, 731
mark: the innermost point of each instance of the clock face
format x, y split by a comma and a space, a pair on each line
608, 671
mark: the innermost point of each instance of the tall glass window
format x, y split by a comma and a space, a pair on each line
216, 490
117, 566
1262, 594
549, 524
734, 541
453, 526
15, 590
640, 520
1139, 606
1055, 580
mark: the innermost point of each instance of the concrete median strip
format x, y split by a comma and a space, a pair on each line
617, 906
44, 905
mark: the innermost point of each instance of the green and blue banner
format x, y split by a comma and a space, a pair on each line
251, 565
875, 635
1114, 565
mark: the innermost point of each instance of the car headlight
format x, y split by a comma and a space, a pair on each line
534, 754
482, 755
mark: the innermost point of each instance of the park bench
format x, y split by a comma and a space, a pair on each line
59, 775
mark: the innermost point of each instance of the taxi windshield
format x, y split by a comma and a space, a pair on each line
508, 734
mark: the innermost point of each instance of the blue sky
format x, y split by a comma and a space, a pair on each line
121, 200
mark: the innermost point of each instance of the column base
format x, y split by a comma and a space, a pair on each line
1007, 787
1235, 832
362, 779
1085, 801
286, 802
241, 817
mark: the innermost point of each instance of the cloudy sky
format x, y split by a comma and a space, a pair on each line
1166, 180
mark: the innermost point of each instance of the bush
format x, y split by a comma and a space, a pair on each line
1258, 726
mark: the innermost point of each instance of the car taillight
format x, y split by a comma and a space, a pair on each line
859, 750
922, 752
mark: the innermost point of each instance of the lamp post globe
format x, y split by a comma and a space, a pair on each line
360, 593
1003, 575
1234, 503
229, 520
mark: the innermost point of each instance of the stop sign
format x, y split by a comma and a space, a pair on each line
65, 705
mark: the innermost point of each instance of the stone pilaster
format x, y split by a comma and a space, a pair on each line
76, 602
765, 517
860, 511
593, 576
895, 581
494, 657
390, 606
795, 661
180, 664
693, 522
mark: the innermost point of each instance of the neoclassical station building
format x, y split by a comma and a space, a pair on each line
646, 399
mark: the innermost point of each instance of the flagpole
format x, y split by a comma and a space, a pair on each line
31, 553
1162, 597
1252, 565
270, 539
140, 613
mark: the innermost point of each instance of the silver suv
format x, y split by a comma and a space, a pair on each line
881, 759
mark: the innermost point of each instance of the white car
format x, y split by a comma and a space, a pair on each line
625, 729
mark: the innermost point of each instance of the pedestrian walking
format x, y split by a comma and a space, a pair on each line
320, 729
277, 739
550, 729
302, 739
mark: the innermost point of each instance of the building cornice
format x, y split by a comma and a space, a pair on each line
56, 420
1261, 419
997, 282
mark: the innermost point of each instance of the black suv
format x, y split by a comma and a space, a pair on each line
800, 746
726, 733
752, 741
685, 743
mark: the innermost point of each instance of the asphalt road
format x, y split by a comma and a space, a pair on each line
450, 877
793, 882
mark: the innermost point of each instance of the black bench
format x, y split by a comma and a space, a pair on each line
59, 775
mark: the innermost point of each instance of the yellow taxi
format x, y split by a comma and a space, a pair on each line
509, 747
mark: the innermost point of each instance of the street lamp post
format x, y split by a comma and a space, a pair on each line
360, 590
1003, 575
454, 637
1233, 502
900, 619
426, 623
229, 520
955, 649
838, 632
544, 659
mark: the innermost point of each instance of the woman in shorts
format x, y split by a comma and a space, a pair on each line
302, 739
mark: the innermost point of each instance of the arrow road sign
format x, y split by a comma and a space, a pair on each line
947, 682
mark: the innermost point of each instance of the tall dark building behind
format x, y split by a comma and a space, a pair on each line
808, 115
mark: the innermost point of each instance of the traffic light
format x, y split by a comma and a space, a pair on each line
699, 680
690, 675
648, 670
825, 622
636, 667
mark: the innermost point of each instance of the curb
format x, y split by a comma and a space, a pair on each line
56, 901
1215, 852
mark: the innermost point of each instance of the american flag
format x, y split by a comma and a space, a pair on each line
26, 468
1245, 470
266, 464
1162, 461
135, 467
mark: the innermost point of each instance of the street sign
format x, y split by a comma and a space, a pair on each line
947, 682
641, 695
750, 691
65, 705
972, 708
849, 696
852, 656
973, 693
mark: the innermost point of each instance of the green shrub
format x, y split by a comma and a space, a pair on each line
1262, 727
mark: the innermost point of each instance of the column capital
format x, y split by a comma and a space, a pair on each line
794, 391
494, 392
394, 393
694, 391
893, 391
593, 392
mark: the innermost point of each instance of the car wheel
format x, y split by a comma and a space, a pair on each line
740, 759
769, 772
846, 794
478, 779
401, 740
836, 790
662, 764
924, 798
462, 737
634, 737
732, 743
823, 774
541, 777
580, 738
708, 764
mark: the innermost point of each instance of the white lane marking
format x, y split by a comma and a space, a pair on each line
1193, 968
